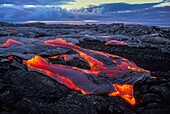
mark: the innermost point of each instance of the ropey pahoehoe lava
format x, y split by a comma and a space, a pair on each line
108, 74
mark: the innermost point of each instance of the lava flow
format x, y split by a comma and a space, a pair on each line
10, 42
116, 42
108, 73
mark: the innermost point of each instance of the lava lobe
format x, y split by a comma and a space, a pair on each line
108, 74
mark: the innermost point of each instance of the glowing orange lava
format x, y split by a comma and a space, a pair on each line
115, 42
66, 75
10, 42
102, 65
10, 57
11, 31
125, 91
41, 64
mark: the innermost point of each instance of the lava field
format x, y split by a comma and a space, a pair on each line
82, 69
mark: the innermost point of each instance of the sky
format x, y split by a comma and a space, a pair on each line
86, 3
137, 11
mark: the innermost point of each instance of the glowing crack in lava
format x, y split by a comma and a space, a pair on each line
11, 31
116, 42
10, 42
109, 74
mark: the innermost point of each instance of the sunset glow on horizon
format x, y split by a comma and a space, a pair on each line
85, 3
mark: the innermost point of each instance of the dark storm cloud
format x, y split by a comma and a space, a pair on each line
115, 8
125, 6
35, 2
11, 14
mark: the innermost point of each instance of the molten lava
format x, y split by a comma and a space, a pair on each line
10, 42
11, 31
125, 91
72, 78
116, 42
108, 73
10, 57
105, 76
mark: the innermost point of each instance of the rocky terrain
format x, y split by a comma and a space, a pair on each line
24, 91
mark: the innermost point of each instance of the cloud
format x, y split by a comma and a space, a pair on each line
108, 9
125, 6
165, 3
35, 2
11, 14
55, 13
85, 3
123, 12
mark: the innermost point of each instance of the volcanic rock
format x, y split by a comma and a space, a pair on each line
25, 91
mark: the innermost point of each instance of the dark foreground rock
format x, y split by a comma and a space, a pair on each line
31, 92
